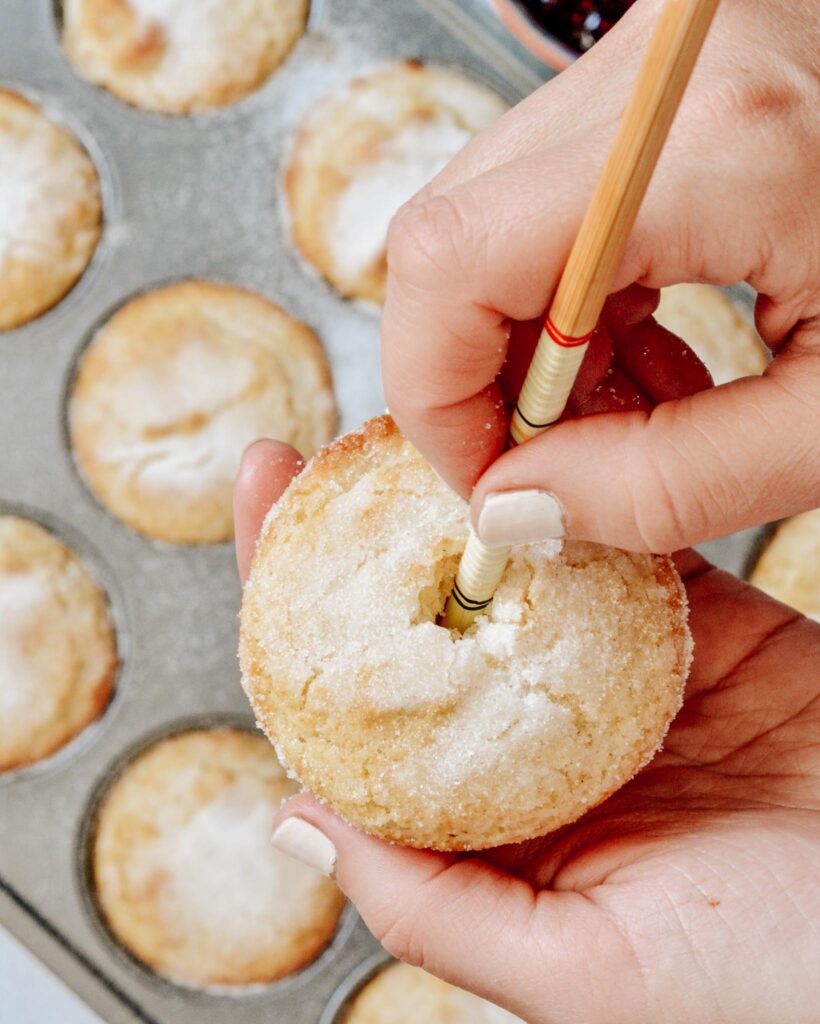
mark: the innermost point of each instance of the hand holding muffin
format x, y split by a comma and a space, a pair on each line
634, 912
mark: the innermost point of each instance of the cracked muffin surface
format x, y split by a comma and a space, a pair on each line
184, 872
58, 650
174, 387
180, 56
548, 703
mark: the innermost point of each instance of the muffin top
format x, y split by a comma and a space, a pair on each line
185, 873
180, 56
549, 702
50, 210
365, 150
172, 390
401, 994
58, 653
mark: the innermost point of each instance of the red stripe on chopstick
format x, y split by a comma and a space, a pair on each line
564, 340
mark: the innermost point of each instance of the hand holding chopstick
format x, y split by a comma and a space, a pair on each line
592, 263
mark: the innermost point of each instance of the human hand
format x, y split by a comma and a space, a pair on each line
476, 256
691, 895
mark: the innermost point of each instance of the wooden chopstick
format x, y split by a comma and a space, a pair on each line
593, 260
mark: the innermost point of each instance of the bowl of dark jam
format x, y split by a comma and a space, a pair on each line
560, 31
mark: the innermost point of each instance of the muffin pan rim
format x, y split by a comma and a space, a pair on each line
361, 976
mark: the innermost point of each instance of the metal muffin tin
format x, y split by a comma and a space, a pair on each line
183, 197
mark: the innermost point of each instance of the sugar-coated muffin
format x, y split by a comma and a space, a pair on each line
172, 390
180, 56
401, 994
184, 872
50, 211
546, 705
718, 333
365, 150
789, 568
58, 652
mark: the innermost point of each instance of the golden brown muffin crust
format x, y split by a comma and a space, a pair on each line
184, 872
401, 994
50, 211
180, 57
58, 654
175, 386
717, 332
428, 738
789, 568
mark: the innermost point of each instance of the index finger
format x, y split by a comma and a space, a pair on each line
463, 267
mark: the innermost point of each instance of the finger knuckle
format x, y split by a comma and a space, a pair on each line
423, 242
399, 932
693, 483
739, 102
667, 508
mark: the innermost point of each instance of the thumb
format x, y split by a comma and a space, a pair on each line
456, 916
690, 470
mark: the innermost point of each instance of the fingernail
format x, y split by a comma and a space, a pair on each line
520, 517
304, 842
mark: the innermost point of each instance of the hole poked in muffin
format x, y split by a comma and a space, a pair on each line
433, 595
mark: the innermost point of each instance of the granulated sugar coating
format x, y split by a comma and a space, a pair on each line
185, 873
179, 56
542, 708
364, 151
172, 390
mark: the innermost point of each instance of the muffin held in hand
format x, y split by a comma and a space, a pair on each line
363, 152
547, 704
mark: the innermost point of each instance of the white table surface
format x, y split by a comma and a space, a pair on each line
31, 994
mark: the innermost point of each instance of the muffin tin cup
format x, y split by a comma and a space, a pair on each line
289, 984
94, 562
55, 109
184, 197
